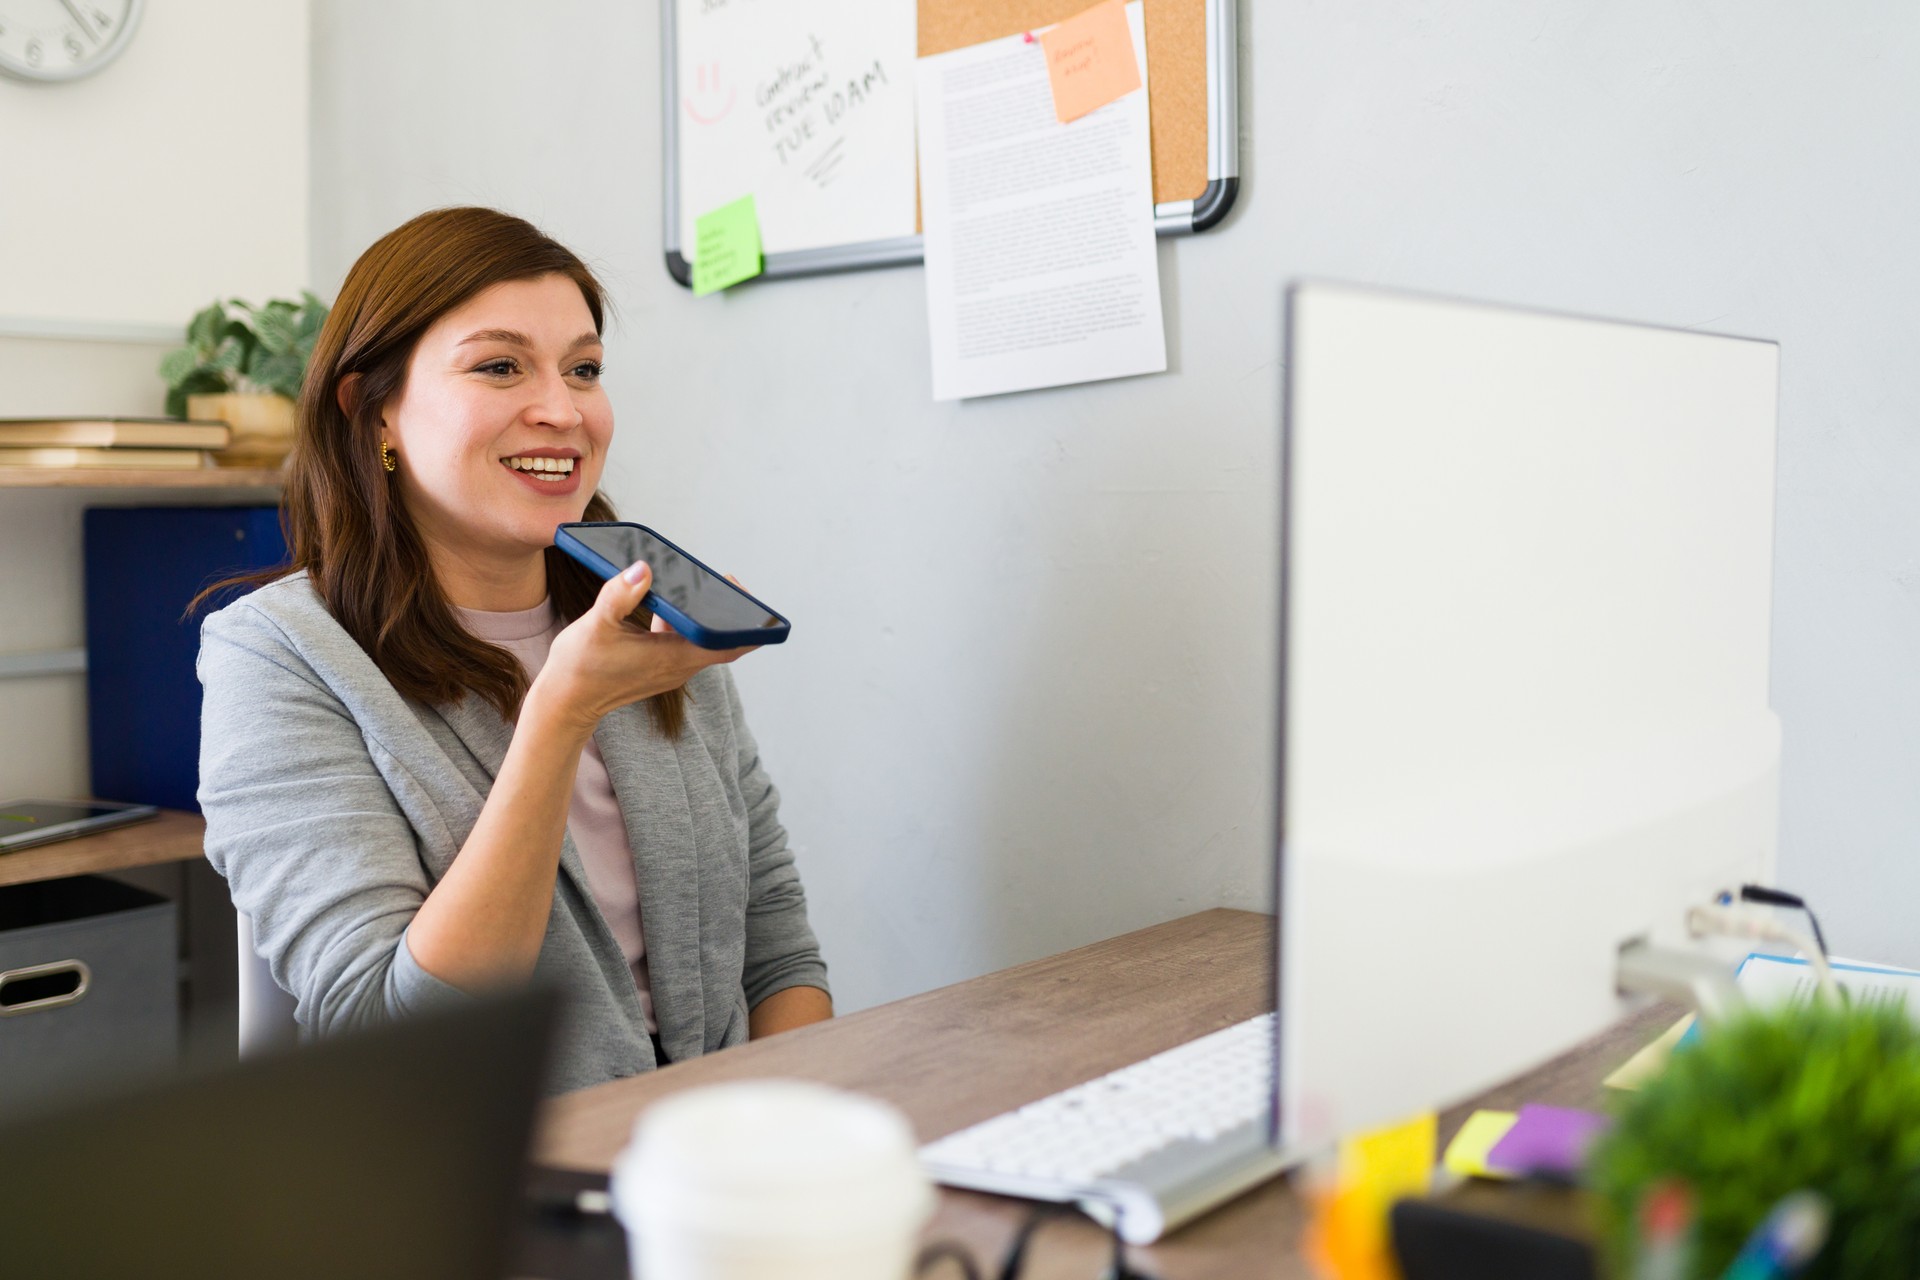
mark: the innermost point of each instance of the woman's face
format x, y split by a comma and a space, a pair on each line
502, 427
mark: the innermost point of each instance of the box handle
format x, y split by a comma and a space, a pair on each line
43, 986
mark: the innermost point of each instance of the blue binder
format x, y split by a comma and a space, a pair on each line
143, 564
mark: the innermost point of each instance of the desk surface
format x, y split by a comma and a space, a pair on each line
952, 1057
171, 837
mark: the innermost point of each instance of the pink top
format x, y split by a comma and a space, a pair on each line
593, 816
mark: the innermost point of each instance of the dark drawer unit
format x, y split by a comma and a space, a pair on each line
89, 985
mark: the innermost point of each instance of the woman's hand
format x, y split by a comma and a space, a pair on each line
484, 922
603, 661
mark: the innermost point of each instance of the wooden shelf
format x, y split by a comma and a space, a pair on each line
113, 478
172, 837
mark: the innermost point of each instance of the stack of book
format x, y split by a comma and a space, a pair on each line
130, 444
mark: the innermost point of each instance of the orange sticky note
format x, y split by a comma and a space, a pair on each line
1348, 1237
1343, 1239
1090, 60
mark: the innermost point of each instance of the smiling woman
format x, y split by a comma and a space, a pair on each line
438, 756
495, 432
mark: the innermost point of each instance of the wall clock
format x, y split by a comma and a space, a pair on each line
47, 41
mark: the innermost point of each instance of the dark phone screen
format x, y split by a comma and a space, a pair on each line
707, 598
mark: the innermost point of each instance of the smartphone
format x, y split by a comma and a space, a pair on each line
696, 602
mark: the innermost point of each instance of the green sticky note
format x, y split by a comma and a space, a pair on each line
726, 247
1467, 1153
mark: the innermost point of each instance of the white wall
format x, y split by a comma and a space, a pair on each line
130, 200
176, 172
1027, 703
43, 719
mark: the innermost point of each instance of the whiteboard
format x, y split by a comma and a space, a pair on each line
805, 106
720, 58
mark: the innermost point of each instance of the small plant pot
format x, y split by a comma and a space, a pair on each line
1810, 1097
262, 426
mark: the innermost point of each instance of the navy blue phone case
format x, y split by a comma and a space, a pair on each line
705, 637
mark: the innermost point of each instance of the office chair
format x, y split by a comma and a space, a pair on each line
266, 1012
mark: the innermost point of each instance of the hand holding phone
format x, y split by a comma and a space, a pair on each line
601, 661
695, 601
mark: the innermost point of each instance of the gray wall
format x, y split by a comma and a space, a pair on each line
1028, 699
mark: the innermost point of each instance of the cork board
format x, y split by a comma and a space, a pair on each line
1176, 70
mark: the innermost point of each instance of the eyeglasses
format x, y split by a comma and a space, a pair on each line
1015, 1261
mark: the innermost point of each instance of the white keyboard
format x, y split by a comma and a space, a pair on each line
1157, 1142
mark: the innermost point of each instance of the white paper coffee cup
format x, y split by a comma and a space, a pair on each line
771, 1180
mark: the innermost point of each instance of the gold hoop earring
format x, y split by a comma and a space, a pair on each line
387, 460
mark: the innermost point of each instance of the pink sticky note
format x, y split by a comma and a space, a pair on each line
1090, 60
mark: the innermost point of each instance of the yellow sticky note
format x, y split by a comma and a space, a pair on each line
1090, 60
726, 247
1467, 1153
1650, 1061
1385, 1165
1397, 1158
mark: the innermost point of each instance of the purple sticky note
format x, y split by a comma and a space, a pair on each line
1551, 1140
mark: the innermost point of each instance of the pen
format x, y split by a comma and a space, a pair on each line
1666, 1233
1786, 1239
558, 1193
575, 1204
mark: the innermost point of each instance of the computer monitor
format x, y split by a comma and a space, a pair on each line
395, 1151
1524, 714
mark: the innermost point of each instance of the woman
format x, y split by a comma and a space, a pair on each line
438, 756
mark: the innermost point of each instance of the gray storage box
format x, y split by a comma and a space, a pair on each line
89, 985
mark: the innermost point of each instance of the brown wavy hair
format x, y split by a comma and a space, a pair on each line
344, 520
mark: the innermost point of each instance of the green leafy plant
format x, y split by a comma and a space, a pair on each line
1821, 1097
235, 346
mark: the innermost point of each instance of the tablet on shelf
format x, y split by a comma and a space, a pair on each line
25, 823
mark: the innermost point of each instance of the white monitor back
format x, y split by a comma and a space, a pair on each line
1528, 566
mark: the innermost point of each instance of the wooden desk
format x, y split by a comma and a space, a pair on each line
955, 1056
171, 837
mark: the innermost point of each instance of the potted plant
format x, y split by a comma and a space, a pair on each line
242, 365
1820, 1097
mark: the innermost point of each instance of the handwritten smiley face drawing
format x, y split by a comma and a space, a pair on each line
711, 100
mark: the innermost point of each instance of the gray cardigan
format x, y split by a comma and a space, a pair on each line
334, 805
